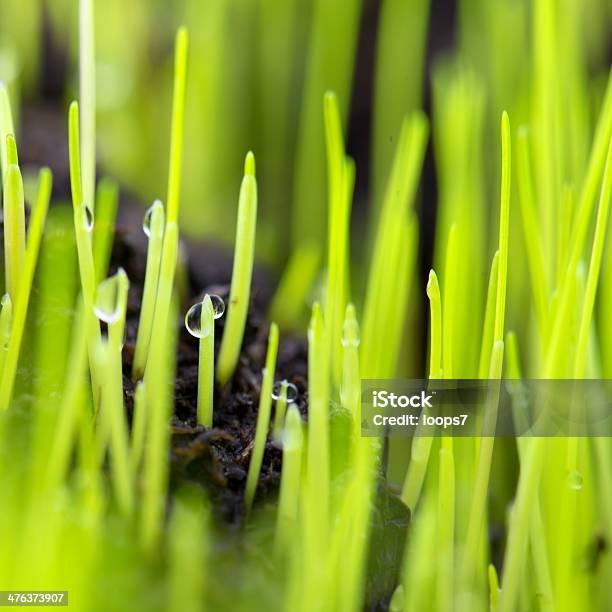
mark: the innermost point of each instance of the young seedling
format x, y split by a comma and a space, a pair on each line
24, 289
393, 257
6, 127
110, 307
14, 220
263, 418
284, 393
157, 379
291, 476
341, 180
485, 453
421, 443
181, 49
241, 274
153, 227
200, 323
87, 95
83, 226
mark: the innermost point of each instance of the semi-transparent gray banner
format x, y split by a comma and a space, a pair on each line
503, 408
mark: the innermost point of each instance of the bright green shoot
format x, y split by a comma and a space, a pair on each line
435, 305
157, 379
6, 126
535, 253
178, 124
421, 444
206, 364
341, 179
291, 477
393, 255
241, 274
14, 220
489, 320
200, 323
83, 226
263, 418
110, 308
504, 225
154, 227
87, 95
485, 452
21, 303
594, 268
318, 452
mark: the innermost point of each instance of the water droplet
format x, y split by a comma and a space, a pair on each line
106, 305
218, 305
193, 318
148, 217
88, 218
574, 480
292, 391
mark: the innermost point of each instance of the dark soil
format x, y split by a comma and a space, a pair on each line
216, 458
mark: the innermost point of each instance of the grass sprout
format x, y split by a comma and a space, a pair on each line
112, 409
87, 95
341, 179
263, 418
485, 449
154, 221
178, 124
391, 260
14, 220
200, 322
242, 272
6, 127
22, 298
289, 497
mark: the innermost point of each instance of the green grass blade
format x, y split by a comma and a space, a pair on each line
6, 127
22, 300
291, 475
14, 225
535, 252
87, 94
178, 124
147, 310
242, 273
263, 418
594, 268
206, 365
107, 201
